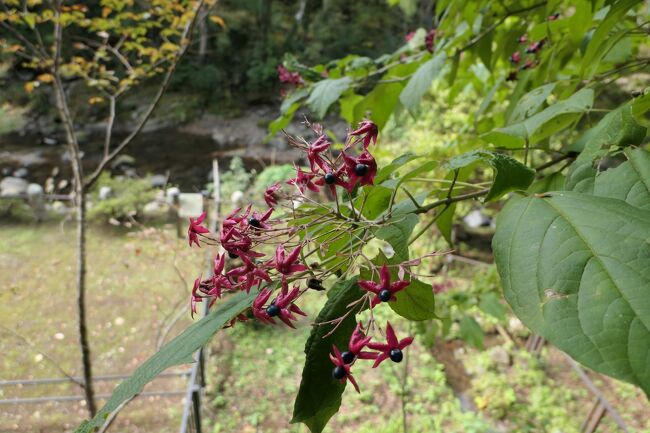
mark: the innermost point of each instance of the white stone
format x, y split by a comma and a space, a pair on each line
34, 190
10, 186
191, 205
105, 192
236, 197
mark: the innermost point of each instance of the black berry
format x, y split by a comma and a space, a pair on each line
315, 284
273, 310
254, 222
396, 355
385, 295
347, 356
233, 255
338, 372
330, 178
361, 169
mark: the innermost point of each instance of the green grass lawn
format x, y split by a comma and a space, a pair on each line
139, 280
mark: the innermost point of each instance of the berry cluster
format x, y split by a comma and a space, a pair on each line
343, 362
246, 234
531, 51
289, 77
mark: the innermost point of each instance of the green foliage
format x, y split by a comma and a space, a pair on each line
509, 174
319, 396
271, 175
579, 281
541, 125
325, 93
421, 81
236, 178
126, 200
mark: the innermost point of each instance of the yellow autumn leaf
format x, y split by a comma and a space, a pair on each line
481, 402
45, 78
217, 20
95, 100
30, 86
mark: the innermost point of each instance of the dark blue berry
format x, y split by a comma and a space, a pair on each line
361, 169
273, 310
330, 178
347, 356
385, 295
396, 355
254, 222
338, 372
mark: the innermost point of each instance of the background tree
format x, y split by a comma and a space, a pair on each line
112, 47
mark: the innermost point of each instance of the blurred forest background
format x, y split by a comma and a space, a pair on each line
219, 104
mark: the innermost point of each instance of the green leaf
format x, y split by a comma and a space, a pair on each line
489, 303
416, 302
617, 129
594, 52
385, 172
421, 81
379, 104
292, 98
530, 103
471, 332
553, 182
445, 223
325, 93
640, 108
177, 351
630, 181
544, 124
377, 199
319, 396
347, 107
397, 233
281, 122
509, 174
576, 269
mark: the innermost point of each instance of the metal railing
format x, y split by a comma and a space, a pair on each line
191, 420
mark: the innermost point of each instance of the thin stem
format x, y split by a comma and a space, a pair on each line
450, 200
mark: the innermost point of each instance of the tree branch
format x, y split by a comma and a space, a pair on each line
185, 41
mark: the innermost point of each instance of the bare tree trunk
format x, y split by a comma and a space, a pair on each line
203, 35
80, 208
86, 361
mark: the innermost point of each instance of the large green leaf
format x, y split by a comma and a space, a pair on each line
416, 302
319, 397
421, 81
576, 269
177, 351
325, 93
618, 128
509, 174
543, 124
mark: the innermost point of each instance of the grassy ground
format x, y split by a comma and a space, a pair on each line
135, 286
137, 283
